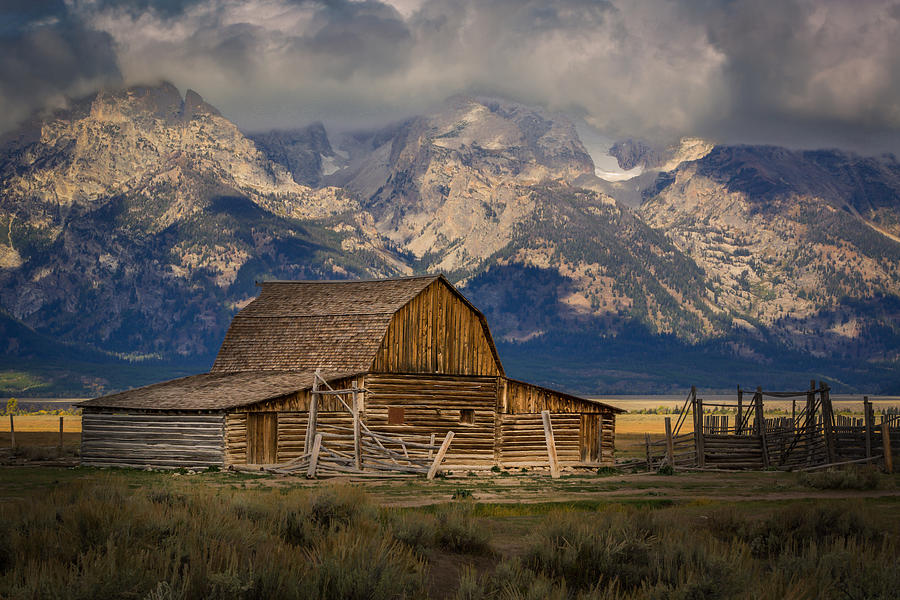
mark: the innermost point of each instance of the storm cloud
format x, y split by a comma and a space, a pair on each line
792, 72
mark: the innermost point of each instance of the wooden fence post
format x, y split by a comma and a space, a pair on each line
869, 422
357, 447
761, 424
827, 422
810, 420
12, 432
440, 455
312, 415
737, 422
670, 446
700, 440
431, 451
886, 441
647, 447
551, 444
314, 457
60, 436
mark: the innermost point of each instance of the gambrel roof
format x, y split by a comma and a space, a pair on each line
277, 342
333, 325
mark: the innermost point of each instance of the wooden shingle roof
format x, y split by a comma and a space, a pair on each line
305, 325
211, 391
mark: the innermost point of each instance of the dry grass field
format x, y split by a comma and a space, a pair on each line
91, 533
31, 423
72, 532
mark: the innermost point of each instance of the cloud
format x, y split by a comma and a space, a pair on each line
794, 72
823, 72
46, 54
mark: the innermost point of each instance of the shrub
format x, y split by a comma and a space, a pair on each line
353, 565
296, 529
166, 497
665, 469
459, 531
581, 552
470, 586
416, 530
337, 506
842, 479
799, 526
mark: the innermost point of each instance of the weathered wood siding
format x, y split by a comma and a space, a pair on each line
437, 332
299, 401
589, 438
292, 432
262, 438
432, 404
607, 438
519, 397
152, 440
236, 438
522, 442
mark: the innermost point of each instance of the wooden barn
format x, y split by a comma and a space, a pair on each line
416, 357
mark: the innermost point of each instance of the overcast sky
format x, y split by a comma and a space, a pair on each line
801, 73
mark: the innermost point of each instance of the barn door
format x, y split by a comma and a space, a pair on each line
589, 438
262, 438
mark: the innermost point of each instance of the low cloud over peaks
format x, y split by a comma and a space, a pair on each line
794, 72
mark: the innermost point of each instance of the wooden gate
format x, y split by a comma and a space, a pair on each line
262, 438
589, 438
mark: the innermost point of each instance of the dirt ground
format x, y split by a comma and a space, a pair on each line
508, 488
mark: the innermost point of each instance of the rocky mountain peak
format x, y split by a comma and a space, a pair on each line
136, 220
194, 104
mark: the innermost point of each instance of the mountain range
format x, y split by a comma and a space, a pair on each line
134, 223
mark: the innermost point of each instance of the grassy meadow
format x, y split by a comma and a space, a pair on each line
91, 533
81, 533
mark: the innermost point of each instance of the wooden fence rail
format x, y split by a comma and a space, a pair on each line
812, 437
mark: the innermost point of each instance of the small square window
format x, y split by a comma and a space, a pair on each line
395, 415
467, 416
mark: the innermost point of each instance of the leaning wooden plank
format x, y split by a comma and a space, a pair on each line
440, 455
314, 456
551, 445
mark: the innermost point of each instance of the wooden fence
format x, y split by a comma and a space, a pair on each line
812, 437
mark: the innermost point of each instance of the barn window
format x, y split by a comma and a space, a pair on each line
395, 415
467, 416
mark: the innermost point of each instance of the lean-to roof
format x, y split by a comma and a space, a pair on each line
211, 391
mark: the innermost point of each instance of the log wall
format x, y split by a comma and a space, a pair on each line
518, 397
437, 332
292, 432
299, 401
236, 439
522, 442
432, 404
607, 438
152, 440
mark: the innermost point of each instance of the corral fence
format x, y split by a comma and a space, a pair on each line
812, 437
